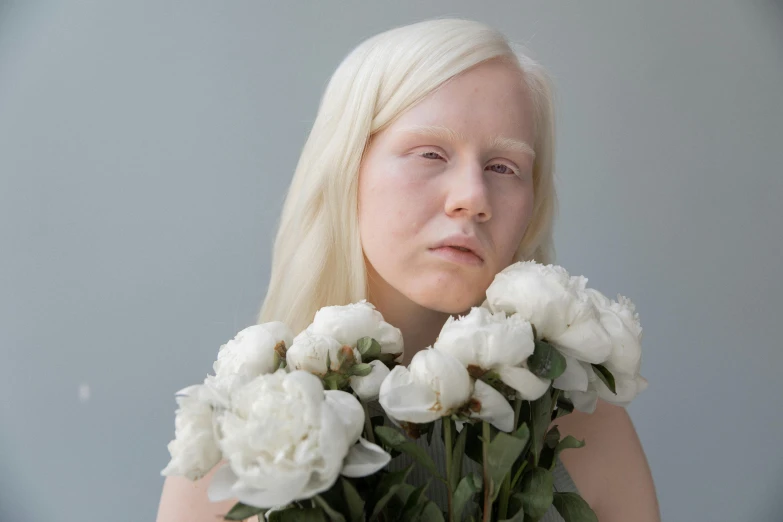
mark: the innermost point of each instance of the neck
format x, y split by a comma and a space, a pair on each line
420, 326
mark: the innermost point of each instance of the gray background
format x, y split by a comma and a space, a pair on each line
145, 147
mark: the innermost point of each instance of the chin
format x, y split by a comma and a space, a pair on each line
449, 299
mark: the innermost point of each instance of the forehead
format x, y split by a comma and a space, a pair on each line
488, 101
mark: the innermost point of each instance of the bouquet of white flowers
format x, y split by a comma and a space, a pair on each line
289, 418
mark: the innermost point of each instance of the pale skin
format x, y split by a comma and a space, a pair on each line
459, 165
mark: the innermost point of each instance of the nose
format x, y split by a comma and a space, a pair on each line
467, 194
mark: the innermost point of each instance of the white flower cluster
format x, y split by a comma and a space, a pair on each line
282, 435
583, 324
279, 412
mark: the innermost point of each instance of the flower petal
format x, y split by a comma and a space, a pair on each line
529, 386
350, 412
585, 338
281, 492
574, 377
364, 458
445, 375
404, 399
222, 484
367, 387
584, 401
494, 408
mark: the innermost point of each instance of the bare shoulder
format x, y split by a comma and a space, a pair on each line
611, 470
183, 500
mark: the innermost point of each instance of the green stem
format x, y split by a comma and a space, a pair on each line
505, 491
368, 434
485, 434
446, 426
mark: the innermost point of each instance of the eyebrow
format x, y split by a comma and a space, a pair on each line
495, 143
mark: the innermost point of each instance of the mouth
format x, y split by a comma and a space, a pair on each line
460, 250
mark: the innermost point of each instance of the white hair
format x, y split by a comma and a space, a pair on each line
318, 259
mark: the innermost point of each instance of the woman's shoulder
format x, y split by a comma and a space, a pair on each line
611, 471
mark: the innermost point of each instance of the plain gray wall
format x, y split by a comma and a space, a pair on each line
145, 148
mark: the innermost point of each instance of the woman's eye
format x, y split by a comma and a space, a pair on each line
500, 168
430, 155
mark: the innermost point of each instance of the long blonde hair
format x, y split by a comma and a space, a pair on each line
318, 259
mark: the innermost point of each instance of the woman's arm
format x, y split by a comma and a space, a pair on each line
611, 470
183, 500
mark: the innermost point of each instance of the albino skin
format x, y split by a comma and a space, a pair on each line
457, 165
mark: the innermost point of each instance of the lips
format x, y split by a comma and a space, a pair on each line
463, 249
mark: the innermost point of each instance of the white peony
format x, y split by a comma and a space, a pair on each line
583, 385
369, 386
494, 342
311, 353
436, 384
349, 323
287, 439
628, 387
249, 354
194, 450
549, 298
620, 319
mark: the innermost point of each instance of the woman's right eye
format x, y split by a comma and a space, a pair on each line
430, 155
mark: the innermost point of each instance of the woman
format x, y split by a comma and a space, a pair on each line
428, 170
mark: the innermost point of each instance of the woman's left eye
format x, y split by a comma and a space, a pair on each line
501, 168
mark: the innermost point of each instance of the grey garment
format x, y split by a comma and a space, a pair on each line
437, 490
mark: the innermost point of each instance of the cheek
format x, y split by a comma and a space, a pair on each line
517, 212
391, 204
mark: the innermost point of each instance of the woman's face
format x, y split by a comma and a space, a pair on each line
446, 191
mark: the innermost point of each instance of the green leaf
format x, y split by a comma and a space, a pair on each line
415, 503
298, 515
606, 377
540, 411
515, 504
573, 508
569, 442
334, 516
432, 513
361, 370
397, 501
353, 500
502, 452
242, 511
518, 474
519, 514
390, 436
564, 407
368, 347
468, 486
387, 358
387, 487
566, 443
546, 361
456, 458
536, 493
551, 440
396, 440
523, 433
335, 381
